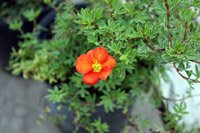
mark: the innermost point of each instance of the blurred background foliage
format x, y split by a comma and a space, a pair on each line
13, 9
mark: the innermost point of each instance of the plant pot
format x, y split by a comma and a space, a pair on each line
116, 120
48, 18
8, 40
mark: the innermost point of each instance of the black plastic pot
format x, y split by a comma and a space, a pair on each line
8, 39
48, 18
116, 120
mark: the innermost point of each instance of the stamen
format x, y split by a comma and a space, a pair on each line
96, 67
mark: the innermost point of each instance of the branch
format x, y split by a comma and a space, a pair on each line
180, 99
151, 46
168, 21
186, 78
185, 33
34, 26
21, 31
111, 11
185, 38
198, 62
153, 131
131, 123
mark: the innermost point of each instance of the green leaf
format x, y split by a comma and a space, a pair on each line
56, 95
115, 47
89, 16
47, 1
151, 30
100, 126
120, 71
128, 56
140, 18
129, 7
120, 96
180, 52
159, 7
15, 25
108, 103
110, 2
131, 33
118, 8
31, 14
186, 15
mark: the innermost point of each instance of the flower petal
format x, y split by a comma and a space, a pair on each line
111, 62
84, 64
104, 73
91, 54
100, 54
90, 78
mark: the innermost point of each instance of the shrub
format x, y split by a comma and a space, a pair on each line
142, 36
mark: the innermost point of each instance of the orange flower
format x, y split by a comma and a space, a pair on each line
94, 65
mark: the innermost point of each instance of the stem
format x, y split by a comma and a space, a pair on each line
198, 62
181, 99
168, 21
153, 131
184, 39
131, 123
185, 33
186, 78
21, 31
151, 46
111, 11
163, 110
34, 25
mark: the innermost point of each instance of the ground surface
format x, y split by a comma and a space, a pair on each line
20, 106
19, 99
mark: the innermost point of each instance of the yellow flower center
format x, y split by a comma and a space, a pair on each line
96, 67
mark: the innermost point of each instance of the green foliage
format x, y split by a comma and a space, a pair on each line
12, 10
100, 127
49, 2
181, 52
173, 119
140, 35
128, 57
15, 25
108, 103
31, 14
187, 15
87, 16
56, 96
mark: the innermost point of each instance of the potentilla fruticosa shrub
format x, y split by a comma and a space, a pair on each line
14, 9
111, 53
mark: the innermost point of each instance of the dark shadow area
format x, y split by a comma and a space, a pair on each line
8, 39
